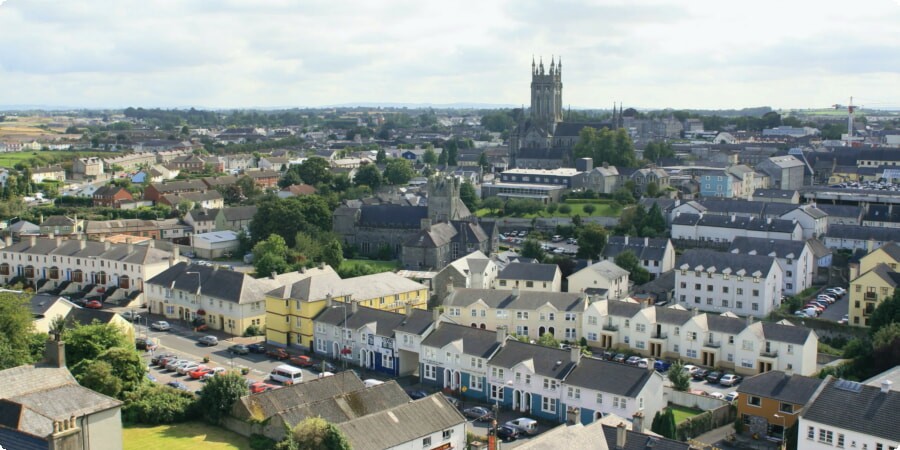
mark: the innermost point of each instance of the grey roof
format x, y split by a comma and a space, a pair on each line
419, 418
674, 316
526, 271
704, 260
785, 333
475, 341
774, 193
858, 232
819, 249
137, 254
86, 316
779, 248
58, 221
203, 215
239, 212
40, 303
642, 441
653, 249
24, 226
851, 211
526, 300
348, 405
385, 321
214, 282
621, 308
567, 437
438, 235
777, 385
547, 361
609, 377
725, 324
396, 216
892, 249
270, 403
736, 222
861, 408
606, 269
665, 204
179, 185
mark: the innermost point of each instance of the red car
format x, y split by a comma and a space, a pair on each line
261, 386
303, 361
279, 354
199, 372
93, 304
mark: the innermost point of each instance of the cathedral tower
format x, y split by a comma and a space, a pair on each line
444, 203
546, 95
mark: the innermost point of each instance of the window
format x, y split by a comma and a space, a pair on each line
754, 401
591, 336
724, 289
790, 349
840, 441
675, 348
430, 372
570, 317
786, 408
528, 379
627, 339
639, 344
476, 383
640, 328
592, 320
570, 333
683, 285
690, 353
825, 436
810, 433
754, 306
529, 284
739, 304
599, 398
521, 330
550, 384
474, 313
522, 315
497, 392
574, 393
627, 323
740, 291
502, 282
756, 292
501, 314
709, 288
697, 287
447, 433
677, 331
426, 442
709, 300
496, 373
548, 405
725, 303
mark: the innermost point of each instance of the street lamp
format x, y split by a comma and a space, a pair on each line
783, 423
343, 333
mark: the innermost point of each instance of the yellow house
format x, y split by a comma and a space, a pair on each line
868, 290
290, 309
887, 254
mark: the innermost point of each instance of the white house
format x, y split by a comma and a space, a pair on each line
795, 257
596, 388
717, 228
530, 277
603, 279
719, 282
455, 356
656, 255
812, 220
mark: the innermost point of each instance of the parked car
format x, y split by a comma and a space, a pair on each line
415, 395
155, 360
620, 357
199, 324
839, 290
632, 360
732, 396
93, 304
164, 361
209, 340
479, 413
661, 365
239, 349
178, 385
730, 379
507, 434
257, 347
690, 369
146, 344
261, 386
844, 320
187, 368
278, 353
700, 374
643, 363
161, 325
198, 373
834, 292
131, 316
174, 363
302, 361
324, 366
453, 401
717, 395
215, 371
714, 377
523, 424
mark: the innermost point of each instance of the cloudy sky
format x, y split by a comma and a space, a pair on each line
285, 53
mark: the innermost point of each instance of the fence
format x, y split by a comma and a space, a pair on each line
689, 400
706, 421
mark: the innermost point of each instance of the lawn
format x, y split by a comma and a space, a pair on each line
12, 158
682, 413
182, 436
379, 266
601, 209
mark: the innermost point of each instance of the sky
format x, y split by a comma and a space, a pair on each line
307, 53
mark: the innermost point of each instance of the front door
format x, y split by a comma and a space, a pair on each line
764, 366
709, 359
655, 349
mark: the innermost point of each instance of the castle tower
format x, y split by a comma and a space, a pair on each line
443, 199
546, 95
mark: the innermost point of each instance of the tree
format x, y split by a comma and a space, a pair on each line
290, 177
88, 342
442, 158
483, 162
667, 424
886, 313
219, 394
18, 340
623, 196
333, 254
605, 146
656, 150
630, 262
531, 248
310, 214
551, 208
565, 209
492, 204
589, 209
398, 171
98, 376
314, 433
380, 156
681, 380
652, 189
429, 157
468, 196
547, 340
270, 256
886, 347
368, 175
314, 171
655, 426
591, 240
126, 365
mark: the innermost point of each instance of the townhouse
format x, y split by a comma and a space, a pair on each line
812, 220
155, 229
603, 279
528, 378
873, 280
710, 340
366, 337
155, 191
202, 220
528, 314
723, 229
596, 388
656, 255
474, 270
743, 284
530, 277
209, 200
111, 196
795, 258
770, 403
49, 173
61, 225
227, 300
847, 414
51, 263
90, 167
858, 237
456, 357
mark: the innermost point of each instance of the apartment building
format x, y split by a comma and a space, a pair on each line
729, 282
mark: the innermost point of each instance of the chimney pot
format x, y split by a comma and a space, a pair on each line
515, 293
501, 335
886, 386
354, 306
575, 354
620, 435
33, 240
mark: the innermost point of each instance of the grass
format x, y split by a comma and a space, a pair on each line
683, 413
379, 266
600, 209
182, 436
12, 158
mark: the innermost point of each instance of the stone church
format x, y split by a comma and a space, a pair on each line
422, 237
543, 140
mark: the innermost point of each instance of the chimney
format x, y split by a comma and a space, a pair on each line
590, 262
408, 309
32, 240
450, 285
425, 224
321, 265
626, 239
436, 317
8, 240
272, 275
501, 335
55, 353
575, 354
886, 386
82, 243
515, 293
354, 307
637, 422
646, 242
620, 435
51, 235
749, 320
302, 269
102, 238
695, 312
733, 217
329, 300
106, 245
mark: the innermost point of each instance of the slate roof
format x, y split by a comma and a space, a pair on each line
175, 186
418, 418
348, 405
724, 324
866, 410
58, 221
621, 308
40, 303
204, 215
270, 403
606, 269
24, 226
236, 213
86, 316
476, 342
736, 222
439, 235
395, 216
779, 248
777, 385
848, 211
781, 333
674, 316
547, 362
366, 287
609, 377
703, 259
527, 271
653, 249
773, 193
138, 254
385, 321
892, 249
222, 284
525, 300
641, 441
858, 232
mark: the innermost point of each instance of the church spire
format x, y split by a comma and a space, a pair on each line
542, 65
533, 66
552, 65
559, 66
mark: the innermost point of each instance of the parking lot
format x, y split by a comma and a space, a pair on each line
560, 246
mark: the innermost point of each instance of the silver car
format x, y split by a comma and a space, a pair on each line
209, 340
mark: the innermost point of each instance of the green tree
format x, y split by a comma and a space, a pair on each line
380, 156
623, 196
652, 189
565, 209
591, 241
630, 262
429, 157
314, 171
98, 376
547, 340
368, 175
531, 248
314, 433
681, 380
398, 171
668, 428
886, 313
333, 254
492, 204
442, 158
605, 146
655, 426
310, 214
249, 189
270, 256
483, 162
219, 394
656, 150
290, 177
468, 195
88, 341
551, 208
589, 209
19, 343
886, 347
127, 366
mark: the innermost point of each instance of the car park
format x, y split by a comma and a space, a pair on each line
717, 395
174, 365
643, 363
199, 372
164, 361
286, 375
155, 360
479, 413
302, 361
161, 325
827, 298
260, 387
209, 340
690, 369
215, 371
730, 379
661, 365
238, 349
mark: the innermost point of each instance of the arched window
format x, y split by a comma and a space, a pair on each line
124, 282
29, 271
78, 276
54, 273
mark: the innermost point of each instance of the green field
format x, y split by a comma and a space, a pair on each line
378, 266
182, 436
602, 209
12, 158
682, 413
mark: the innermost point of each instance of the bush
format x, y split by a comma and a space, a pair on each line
155, 404
565, 209
260, 442
254, 330
219, 394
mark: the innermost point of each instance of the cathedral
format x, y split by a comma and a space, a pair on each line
543, 140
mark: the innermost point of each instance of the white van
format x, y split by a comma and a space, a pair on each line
286, 375
372, 382
523, 424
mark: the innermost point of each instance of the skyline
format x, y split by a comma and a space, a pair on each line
230, 54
